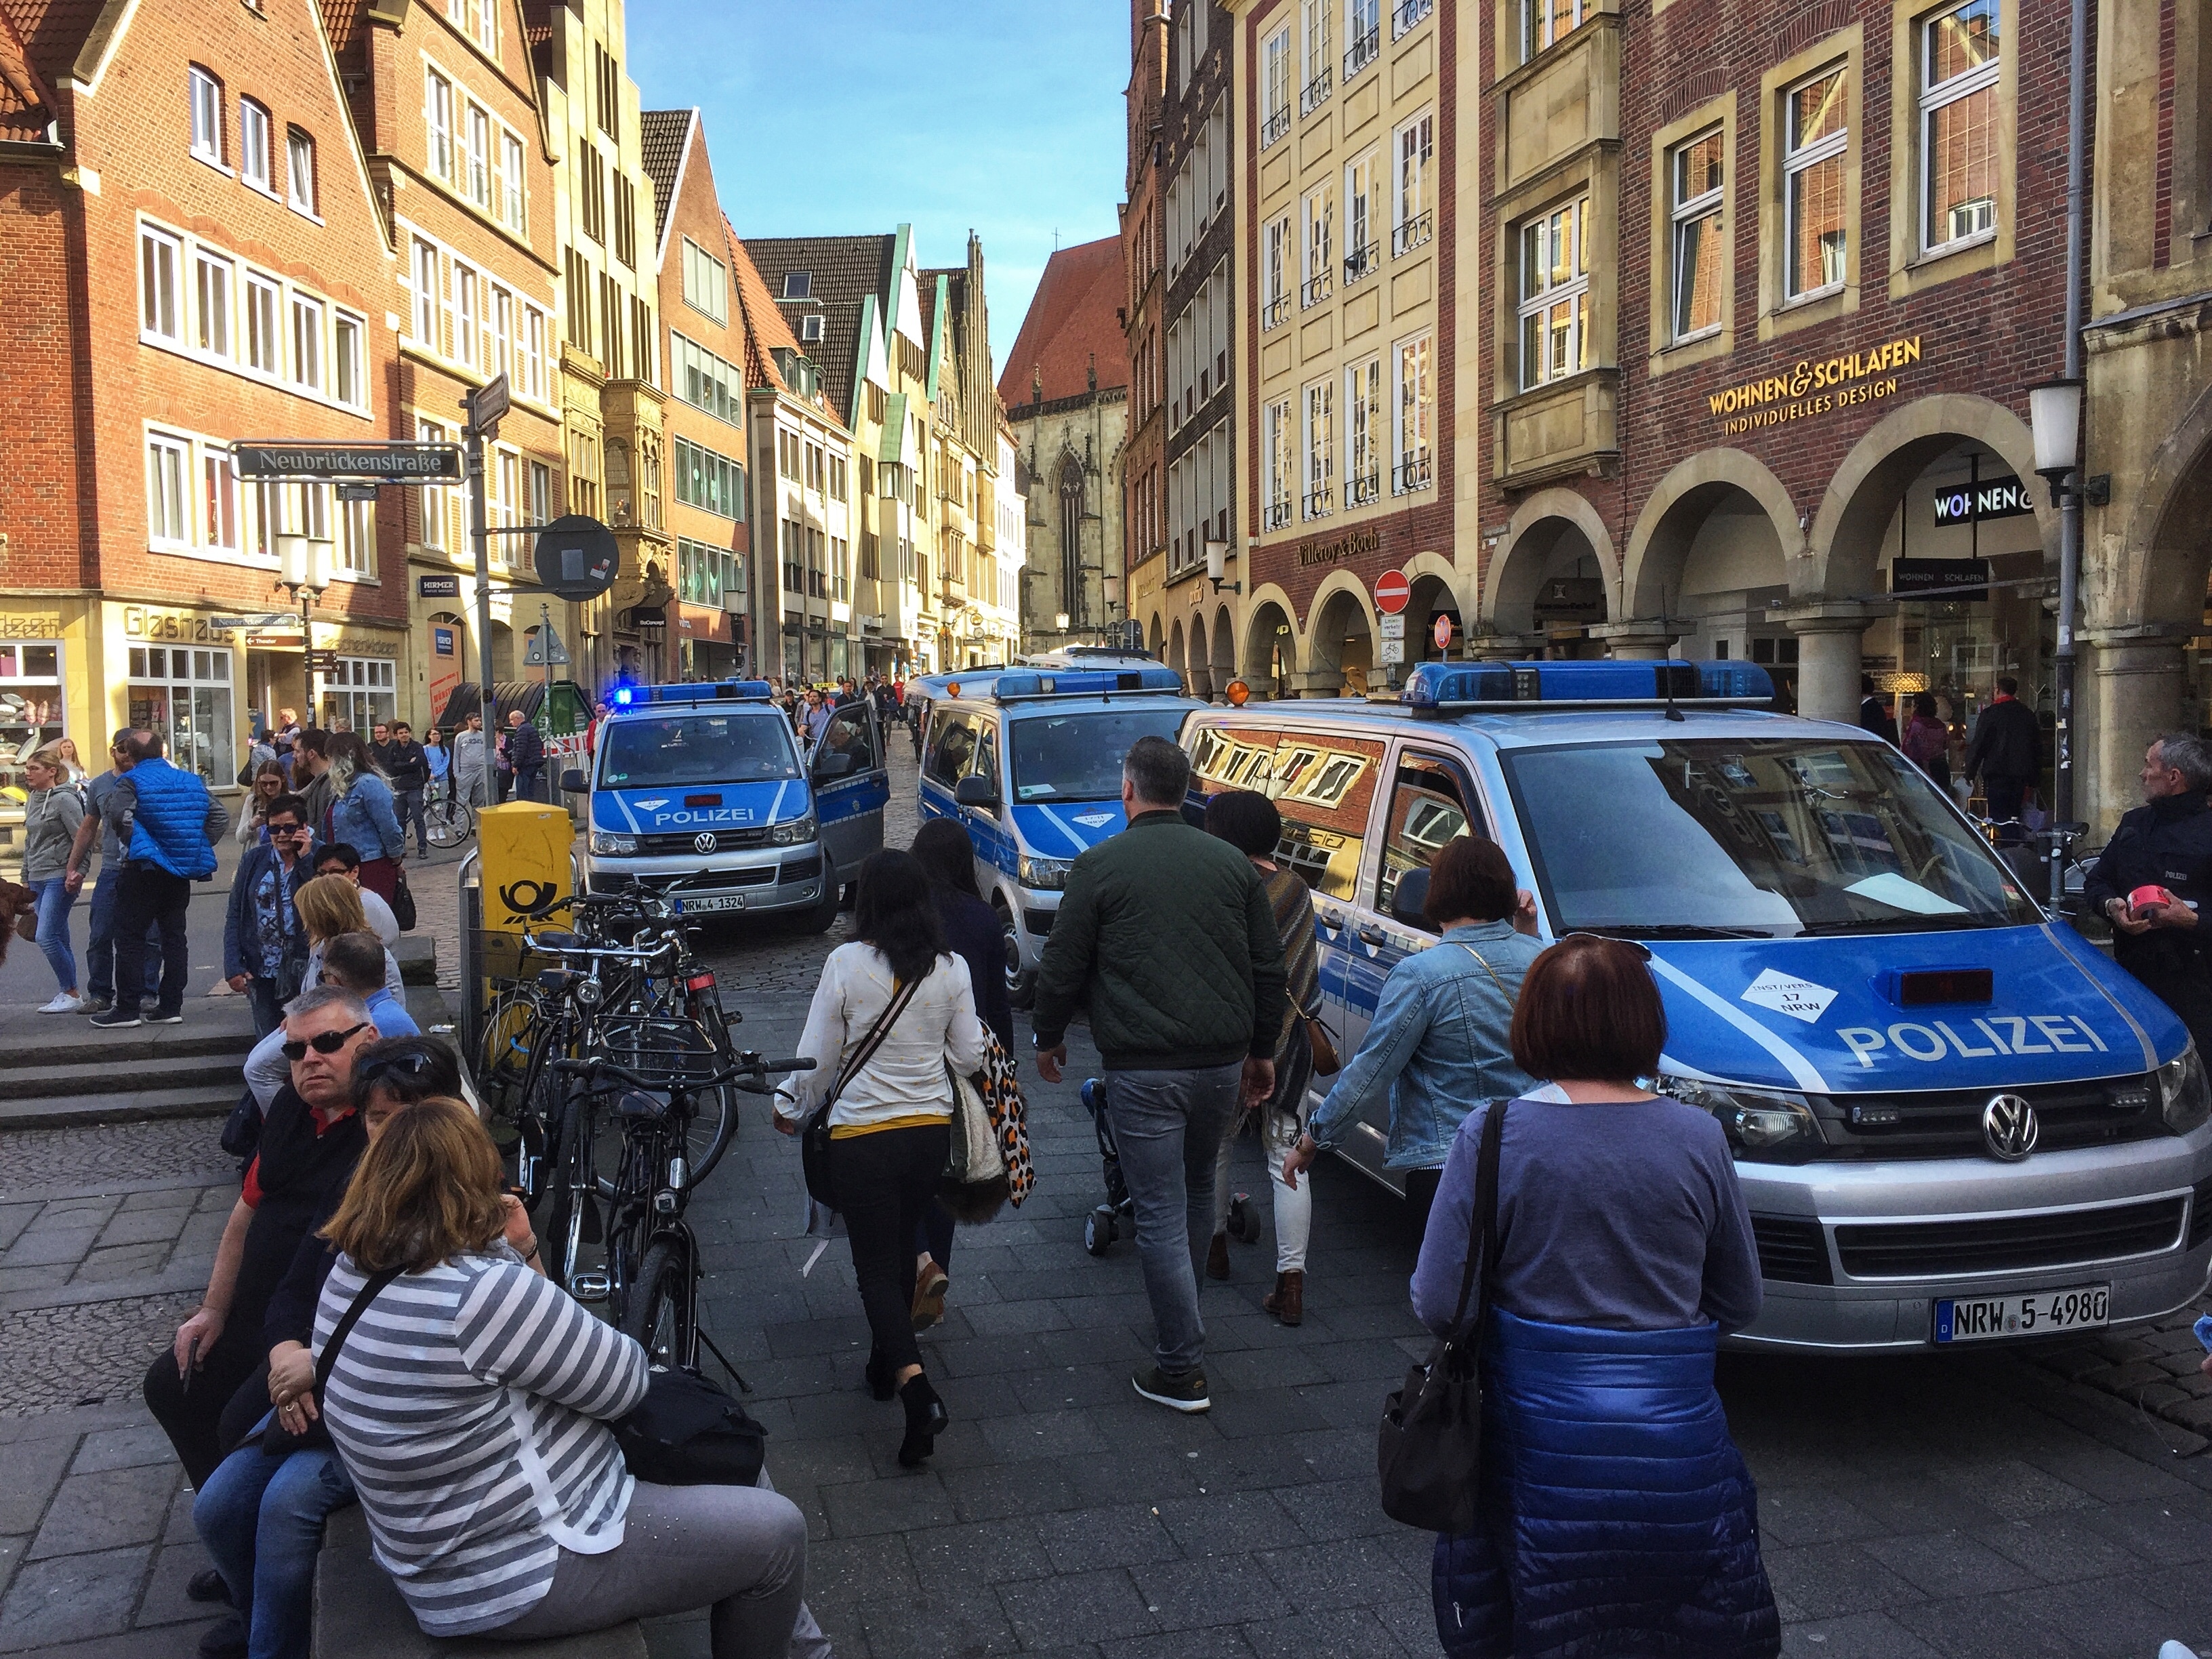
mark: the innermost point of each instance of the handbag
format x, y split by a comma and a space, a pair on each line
275, 1438
403, 903
687, 1431
1429, 1451
1325, 1061
814, 1134
26, 924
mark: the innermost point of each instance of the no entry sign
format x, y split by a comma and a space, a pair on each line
1392, 591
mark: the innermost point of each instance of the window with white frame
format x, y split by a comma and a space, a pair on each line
168, 504
253, 145
426, 296
207, 115
1546, 22
1961, 53
1318, 54
1696, 173
1280, 439
479, 157
1416, 422
362, 691
307, 343
1275, 257
1816, 132
538, 502
434, 503
468, 316
487, 25
218, 501
707, 381
264, 344
438, 118
502, 338
349, 363
1275, 86
706, 283
1318, 413
1362, 34
511, 171
1412, 220
261, 514
184, 694
1554, 299
300, 169
159, 255
1362, 433
1320, 217
1363, 249
354, 553
533, 351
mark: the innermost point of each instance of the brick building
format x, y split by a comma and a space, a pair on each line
1141, 480
190, 253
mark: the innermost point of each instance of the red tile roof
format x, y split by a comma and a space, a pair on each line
1072, 322
39, 41
766, 329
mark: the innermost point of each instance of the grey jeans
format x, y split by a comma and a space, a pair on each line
1168, 1126
739, 1550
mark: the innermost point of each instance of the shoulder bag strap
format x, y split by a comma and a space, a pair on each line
874, 1040
1487, 968
1482, 1225
347, 1321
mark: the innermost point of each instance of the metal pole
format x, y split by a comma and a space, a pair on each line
480, 543
307, 646
2069, 506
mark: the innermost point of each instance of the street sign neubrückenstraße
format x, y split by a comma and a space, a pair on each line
405, 463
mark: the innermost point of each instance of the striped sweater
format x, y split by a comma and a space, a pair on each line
470, 1405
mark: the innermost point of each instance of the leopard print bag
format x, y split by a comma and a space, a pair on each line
973, 1202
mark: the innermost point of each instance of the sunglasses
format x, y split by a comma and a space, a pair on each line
288, 828
410, 1067
1643, 952
322, 1042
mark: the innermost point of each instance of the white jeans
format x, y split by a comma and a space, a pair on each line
1293, 1205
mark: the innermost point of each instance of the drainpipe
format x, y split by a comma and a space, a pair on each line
2069, 508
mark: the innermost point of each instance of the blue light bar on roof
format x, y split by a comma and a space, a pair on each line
632, 696
1436, 686
1086, 683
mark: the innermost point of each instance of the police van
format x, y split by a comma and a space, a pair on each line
705, 784
1954, 1118
1030, 761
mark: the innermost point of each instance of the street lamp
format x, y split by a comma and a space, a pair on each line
304, 566
2054, 415
1060, 622
1217, 561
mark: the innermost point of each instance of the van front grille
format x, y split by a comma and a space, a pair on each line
1792, 1250
2055, 1238
1947, 1122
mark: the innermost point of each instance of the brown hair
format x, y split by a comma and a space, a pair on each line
427, 1191
329, 905
1472, 877
1588, 1011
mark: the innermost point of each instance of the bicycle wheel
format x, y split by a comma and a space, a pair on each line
561, 1240
449, 823
662, 1316
510, 1031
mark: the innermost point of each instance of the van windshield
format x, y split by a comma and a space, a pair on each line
692, 749
1078, 756
1774, 838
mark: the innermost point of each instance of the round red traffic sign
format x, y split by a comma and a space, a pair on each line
1392, 591
1443, 632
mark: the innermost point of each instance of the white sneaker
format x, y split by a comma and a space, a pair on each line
64, 1002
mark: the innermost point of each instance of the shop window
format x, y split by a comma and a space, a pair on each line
360, 690
1696, 180
185, 694
1961, 54
32, 706
1555, 294
1816, 133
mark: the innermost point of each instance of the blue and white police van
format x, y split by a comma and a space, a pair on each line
1030, 761
1954, 1118
705, 784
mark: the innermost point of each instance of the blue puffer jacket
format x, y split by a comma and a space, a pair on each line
1618, 1517
172, 823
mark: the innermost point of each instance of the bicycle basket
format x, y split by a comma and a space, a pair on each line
662, 1050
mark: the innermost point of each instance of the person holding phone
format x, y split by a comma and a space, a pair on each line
2165, 846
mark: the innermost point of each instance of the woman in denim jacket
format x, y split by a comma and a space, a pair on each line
362, 816
1440, 1042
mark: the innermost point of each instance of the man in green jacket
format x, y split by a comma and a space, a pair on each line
1170, 931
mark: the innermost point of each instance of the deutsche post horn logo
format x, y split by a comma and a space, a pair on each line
703, 843
2009, 1127
527, 896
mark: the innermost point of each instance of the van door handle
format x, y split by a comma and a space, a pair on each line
1372, 934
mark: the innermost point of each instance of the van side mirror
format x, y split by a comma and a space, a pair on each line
1408, 898
572, 781
976, 791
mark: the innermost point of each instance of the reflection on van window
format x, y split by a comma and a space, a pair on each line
695, 749
1426, 811
1078, 756
1774, 838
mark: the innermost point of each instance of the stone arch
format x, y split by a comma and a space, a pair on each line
1340, 634
1175, 658
1271, 642
1846, 537
1224, 655
1156, 635
2158, 572
1659, 545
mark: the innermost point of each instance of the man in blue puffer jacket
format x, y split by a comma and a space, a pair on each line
175, 825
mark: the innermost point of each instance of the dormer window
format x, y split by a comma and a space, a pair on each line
810, 328
798, 284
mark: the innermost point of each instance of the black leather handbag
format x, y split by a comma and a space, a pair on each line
688, 1432
814, 1134
1429, 1451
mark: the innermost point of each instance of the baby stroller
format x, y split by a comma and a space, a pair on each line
1102, 1225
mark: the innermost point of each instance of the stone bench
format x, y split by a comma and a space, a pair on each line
359, 1613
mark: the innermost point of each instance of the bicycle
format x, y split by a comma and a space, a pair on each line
650, 1276
447, 820
2055, 870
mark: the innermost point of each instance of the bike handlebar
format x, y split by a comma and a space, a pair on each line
751, 1066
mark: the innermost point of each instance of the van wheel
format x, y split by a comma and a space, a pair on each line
823, 915
1021, 982
848, 894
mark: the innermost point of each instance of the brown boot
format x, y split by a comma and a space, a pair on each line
1217, 1257
1288, 1303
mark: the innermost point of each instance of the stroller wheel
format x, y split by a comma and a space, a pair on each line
1243, 1224
1098, 1230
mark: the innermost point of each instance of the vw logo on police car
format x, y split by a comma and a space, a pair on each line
703, 843
2009, 1128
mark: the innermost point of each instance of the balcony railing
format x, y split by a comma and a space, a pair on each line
1362, 262
1313, 291
1365, 49
1316, 94
1408, 16
1410, 475
1275, 311
1318, 502
1274, 127
1414, 233
1363, 490
1277, 515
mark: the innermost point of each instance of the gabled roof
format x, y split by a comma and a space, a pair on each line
766, 330
842, 271
663, 137
1071, 323
40, 42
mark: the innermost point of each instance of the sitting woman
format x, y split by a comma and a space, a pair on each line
471, 1404
261, 1513
1615, 1514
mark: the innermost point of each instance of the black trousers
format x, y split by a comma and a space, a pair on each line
193, 1416
150, 894
883, 1182
2004, 797
1421, 1194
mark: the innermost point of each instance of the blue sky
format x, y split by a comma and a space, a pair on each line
846, 116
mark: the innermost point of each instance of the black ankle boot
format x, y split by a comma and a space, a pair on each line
926, 1419
880, 1374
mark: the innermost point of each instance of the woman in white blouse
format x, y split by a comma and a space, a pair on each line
890, 1127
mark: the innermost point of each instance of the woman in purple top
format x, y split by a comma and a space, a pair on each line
1624, 1250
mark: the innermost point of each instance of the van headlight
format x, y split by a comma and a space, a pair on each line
793, 834
1044, 875
608, 845
1763, 1128
2184, 1092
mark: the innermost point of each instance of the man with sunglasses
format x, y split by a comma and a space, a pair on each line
310, 1138
354, 962
264, 947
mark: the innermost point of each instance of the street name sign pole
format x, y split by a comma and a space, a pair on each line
483, 407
